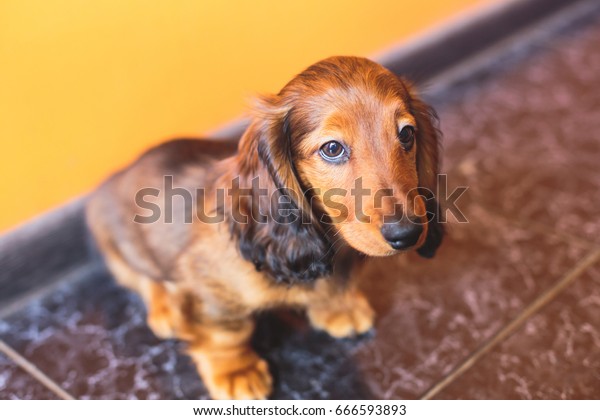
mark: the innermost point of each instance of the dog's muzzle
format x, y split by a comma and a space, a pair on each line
402, 234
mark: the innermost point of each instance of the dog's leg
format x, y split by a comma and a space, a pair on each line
220, 348
341, 312
161, 314
229, 367
227, 364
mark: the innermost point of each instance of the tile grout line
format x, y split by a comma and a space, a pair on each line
33, 370
515, 324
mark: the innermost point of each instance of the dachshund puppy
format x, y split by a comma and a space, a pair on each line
339, 165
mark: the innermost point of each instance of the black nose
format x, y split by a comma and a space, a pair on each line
403, 234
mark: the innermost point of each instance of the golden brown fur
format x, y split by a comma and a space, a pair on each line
202, 282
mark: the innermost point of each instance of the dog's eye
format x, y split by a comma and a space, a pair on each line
332, 151
407, 137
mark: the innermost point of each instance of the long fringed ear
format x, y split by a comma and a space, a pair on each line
274, 146
289, 244
428, 166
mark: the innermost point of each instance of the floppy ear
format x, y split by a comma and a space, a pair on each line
275, 149
289, 244
428, 166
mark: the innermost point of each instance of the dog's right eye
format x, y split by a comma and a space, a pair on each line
333, 151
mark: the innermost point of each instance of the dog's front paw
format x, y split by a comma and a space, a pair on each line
243, 378
348, 317
161, 325
161, 312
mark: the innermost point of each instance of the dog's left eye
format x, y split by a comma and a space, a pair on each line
407, 137
333, 151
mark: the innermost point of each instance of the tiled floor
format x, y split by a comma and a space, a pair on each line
510, 308
15, 383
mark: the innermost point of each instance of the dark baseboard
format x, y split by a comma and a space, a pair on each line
56, 245
480, 33
42, 252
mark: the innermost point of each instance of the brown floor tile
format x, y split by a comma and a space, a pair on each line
433, 313
555, 355
525, 141
91, 338
16, 384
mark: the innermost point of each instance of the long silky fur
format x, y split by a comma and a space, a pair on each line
289, 244
428, 167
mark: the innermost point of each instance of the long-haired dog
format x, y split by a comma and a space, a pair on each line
342, 163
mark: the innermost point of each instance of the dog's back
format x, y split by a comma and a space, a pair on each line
119, 213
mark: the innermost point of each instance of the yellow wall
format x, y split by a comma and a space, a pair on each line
86, 85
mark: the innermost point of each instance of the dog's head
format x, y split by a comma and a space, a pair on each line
350, 142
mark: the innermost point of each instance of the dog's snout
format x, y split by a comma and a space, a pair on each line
401, 235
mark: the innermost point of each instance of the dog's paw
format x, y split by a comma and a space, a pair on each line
249, 382
161, 325
349, 317
161, 313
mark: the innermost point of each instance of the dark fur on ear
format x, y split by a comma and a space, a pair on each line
435, 230
286, 240
428, 166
